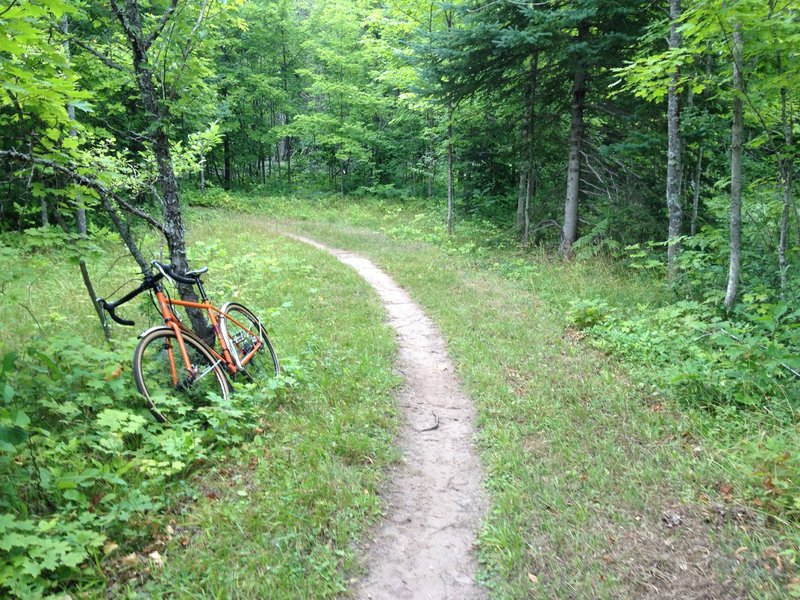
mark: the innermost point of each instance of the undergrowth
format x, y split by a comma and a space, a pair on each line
93, 491
734, 376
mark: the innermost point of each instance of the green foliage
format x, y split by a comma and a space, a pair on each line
708, 359
588, 313
772, 465
37, 550
83, 462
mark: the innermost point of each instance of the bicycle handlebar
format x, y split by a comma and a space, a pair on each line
169, 271
149, 282
110, 307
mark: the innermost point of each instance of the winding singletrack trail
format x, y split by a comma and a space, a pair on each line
425, 546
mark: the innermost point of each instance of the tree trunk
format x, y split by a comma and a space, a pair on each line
526, 237
449, 170
531, 166
519, 223
288, 140
787, 166
737, 134
226, 162
431, 162
569, 232
80, 212
698, 173
174, 231
674, 148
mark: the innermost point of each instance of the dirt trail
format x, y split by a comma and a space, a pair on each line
425, 546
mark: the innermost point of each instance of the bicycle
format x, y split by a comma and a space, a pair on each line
172, 360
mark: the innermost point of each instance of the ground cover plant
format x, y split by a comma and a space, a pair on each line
589, 464
661, 144
92, 485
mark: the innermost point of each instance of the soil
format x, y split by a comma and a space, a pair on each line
433, 501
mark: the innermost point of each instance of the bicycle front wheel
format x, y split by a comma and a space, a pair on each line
169, 388
247, 341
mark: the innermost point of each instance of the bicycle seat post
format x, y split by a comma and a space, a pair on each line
203, 296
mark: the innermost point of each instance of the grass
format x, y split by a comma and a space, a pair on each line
283, 521
280, 512
584, 460
587, 462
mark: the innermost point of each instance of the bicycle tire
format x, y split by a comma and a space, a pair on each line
153, 358
241, 341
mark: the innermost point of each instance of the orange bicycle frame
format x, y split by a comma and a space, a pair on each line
173, 321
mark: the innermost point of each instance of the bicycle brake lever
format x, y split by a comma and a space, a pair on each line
110, 310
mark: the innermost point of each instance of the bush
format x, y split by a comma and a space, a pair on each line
83, 464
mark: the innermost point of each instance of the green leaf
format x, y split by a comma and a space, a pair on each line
13, 436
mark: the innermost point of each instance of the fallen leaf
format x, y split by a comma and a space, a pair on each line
115, 374
130, 560
156, 558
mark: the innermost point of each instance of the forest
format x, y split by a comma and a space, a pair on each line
628, 165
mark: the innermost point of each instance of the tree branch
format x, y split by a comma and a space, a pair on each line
99, 55
125, 233
162, 22
132, 35
9, 7
88, 182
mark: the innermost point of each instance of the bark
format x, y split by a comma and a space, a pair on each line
43, 212
80, 212
431, 162
526, 238
449, 170
531, 166
787, 166
674, 148
698, 172
226, 162
737, 134
87, 282
286, 140
520, 220
569, 231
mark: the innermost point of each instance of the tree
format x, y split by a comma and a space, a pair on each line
675, 147
737, 134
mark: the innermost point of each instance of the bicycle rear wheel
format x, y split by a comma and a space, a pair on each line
248, 343
161, 376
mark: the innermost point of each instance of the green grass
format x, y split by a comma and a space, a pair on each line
274, 510
310, 481
583, 458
